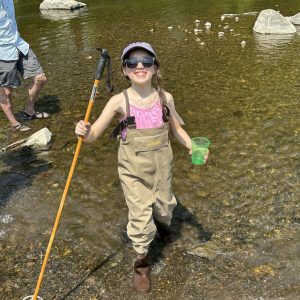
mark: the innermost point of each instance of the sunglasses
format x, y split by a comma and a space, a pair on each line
132, 62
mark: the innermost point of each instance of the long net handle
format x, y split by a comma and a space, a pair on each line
64, 196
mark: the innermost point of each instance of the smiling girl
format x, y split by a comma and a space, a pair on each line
147, 116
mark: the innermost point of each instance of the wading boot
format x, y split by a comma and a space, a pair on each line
141, 275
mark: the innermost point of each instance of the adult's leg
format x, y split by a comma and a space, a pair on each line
34, 89
5, 103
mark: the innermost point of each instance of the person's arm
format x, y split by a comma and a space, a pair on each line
177, 131
91, 132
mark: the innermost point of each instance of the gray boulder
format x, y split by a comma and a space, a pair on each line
61, 4
272, 22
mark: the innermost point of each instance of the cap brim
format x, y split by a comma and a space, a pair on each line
137, 47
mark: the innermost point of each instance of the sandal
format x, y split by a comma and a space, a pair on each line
36, 115
20, 127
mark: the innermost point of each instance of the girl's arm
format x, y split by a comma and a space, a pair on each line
91, 132
178, 132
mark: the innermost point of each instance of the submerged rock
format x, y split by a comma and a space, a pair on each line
61, 4
272, 22
209, 250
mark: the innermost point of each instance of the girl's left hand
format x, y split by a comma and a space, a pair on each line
206, 156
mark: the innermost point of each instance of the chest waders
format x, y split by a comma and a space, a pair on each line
145, 162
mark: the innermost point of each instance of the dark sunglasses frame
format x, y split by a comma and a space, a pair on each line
133, 62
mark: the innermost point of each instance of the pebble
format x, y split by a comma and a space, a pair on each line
170, 28
221, 33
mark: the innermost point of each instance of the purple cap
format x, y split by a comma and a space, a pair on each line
138, 45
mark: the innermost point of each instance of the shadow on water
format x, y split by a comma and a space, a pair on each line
21, 166
49, 103
181, 215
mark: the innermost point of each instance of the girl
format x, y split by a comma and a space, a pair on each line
147, 115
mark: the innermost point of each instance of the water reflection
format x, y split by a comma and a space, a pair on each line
272, 41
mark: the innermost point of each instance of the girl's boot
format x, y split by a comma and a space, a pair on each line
141, 275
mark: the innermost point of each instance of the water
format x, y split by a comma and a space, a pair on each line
244, 201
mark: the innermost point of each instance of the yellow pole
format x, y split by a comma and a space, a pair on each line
63, 199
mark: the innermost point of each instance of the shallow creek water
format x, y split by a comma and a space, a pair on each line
237, 224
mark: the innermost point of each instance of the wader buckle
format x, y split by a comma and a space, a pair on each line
128, 122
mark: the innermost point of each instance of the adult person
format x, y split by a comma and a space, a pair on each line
16, 57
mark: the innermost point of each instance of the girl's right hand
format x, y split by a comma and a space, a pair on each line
83, 129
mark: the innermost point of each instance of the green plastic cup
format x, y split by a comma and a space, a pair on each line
199, 150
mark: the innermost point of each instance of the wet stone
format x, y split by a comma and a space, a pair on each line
208, 250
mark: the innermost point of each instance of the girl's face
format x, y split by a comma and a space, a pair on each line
140, 67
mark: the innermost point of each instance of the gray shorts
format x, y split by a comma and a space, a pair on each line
27, 66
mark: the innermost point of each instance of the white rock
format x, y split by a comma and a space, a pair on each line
207, 24
222, 17
221, 33
170, 28
197, 21
39, 138
58, 15
198, 40
202, 43
151, 30
295, 19
272, 22
61, 4
236, 19
243, 43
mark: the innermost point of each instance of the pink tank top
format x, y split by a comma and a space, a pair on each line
145, 117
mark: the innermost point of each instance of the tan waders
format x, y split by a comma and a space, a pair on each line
144, 165
145, 161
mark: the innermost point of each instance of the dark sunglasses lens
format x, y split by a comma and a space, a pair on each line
131, 63
147, 62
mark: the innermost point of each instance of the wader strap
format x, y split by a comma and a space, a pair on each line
165, 108
129, 121
127, 103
